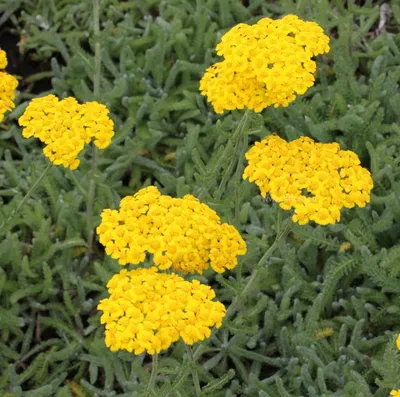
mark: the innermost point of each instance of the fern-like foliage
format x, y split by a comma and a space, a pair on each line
321, 318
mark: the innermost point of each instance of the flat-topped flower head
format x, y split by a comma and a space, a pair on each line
315, 179
65, 126
3, 59
8, 85
264, 64
181, 233
147, 311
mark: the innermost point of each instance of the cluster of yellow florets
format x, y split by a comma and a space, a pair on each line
8, 85
180, 233
65, 126
3, 59
265, 64
148, 311
315, 179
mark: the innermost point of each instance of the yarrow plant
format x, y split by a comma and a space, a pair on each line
65, 126
315, 179
280, 300
182, 234
147, 311
8, 85
264, 64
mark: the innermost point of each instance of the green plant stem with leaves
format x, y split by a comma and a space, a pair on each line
232, 151
280, 236
195, 375
27, 195
154, 370
90, 201
96, 93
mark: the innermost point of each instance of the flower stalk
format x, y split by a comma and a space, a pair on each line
195, 375
231, 150
27, 195
278, 239
154, 370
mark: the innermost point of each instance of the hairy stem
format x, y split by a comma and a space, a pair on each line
154, 369
27, 195
195, 375
230, 150
279, 237
77, 184
90, 201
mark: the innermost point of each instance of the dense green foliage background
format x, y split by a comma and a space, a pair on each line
323, 317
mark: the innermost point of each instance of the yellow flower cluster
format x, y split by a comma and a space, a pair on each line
148, 311
315, 179
181, 233
8, 85
3, 59
265, 64
65, 126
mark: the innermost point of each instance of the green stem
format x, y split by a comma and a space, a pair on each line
96, 93
239, 135
195, 375
27, 195
238, 176
279, 237
90, 201
154, 369
234, 140
78, 185
199, 351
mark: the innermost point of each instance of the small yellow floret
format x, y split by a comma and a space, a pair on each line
264, 64
314, 179
395, 393
398, 342
180, 233
65, 126
324, 333
345, 246
147, 311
